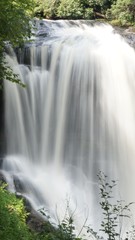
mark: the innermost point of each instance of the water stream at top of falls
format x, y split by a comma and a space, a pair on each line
75, 117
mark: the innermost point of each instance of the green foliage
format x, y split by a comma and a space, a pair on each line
47, 8
65, 229
124, 11
13, 222
70, 9
14, 21
12, 217
121, 12
112, 211
6, 72
15, 28
89, 13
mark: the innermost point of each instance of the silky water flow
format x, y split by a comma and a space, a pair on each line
75, 117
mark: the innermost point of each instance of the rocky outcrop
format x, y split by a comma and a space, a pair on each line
2, 178
128, 34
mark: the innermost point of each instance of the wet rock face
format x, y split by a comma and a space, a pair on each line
130, 37
2, 131
44, 30
1, 162
18, 185
35, 221
2, 178
128, 34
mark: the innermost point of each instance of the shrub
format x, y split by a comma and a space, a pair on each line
12, 217
70, 9
124, 11
113, 212
47, 8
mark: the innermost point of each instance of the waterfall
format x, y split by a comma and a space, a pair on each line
75, 117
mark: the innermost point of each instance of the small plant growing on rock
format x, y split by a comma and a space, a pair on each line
113, 212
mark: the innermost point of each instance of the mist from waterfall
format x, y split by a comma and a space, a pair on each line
75, 117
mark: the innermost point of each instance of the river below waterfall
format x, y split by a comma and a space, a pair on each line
75, 117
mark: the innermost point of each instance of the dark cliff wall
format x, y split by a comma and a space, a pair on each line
2, 132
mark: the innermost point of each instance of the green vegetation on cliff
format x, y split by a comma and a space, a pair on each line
13, 224
12, 217
14, 29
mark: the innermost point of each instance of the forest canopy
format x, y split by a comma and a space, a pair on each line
121, 12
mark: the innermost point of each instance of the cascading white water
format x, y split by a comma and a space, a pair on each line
75, 117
